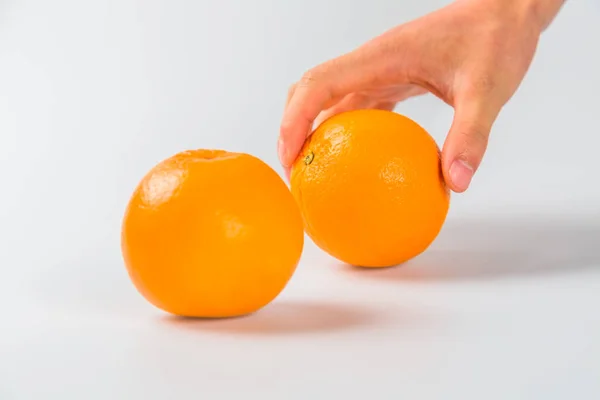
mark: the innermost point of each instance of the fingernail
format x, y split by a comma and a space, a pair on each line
281, 152
461, 174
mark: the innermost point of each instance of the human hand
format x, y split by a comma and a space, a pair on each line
472, 54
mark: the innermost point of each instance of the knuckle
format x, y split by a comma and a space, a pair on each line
291, 89
309, 78
471, 134
315, 82
481, 132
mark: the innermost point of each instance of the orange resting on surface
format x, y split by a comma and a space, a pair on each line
370, 188
211, 234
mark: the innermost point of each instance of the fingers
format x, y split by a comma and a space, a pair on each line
388, 106
319, 89
290, 94
467, 141
351, 102
309, 97
381, 99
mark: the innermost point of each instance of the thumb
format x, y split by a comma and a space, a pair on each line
466, 142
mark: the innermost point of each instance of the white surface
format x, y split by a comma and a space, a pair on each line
92, 94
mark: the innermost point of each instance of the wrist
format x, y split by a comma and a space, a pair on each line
537, 13
542, 12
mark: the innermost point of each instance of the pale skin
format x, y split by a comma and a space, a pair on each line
472, 54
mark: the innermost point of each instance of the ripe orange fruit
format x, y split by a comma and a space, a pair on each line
211, 234
370, 188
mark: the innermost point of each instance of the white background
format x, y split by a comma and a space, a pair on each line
504, 305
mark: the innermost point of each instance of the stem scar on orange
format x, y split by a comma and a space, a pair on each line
211, 234
370, 188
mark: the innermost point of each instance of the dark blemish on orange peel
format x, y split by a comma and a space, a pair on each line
309, 158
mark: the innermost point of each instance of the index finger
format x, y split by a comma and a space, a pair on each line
317, 90
306, 102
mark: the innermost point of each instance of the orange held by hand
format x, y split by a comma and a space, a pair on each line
370, 188
211, 234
